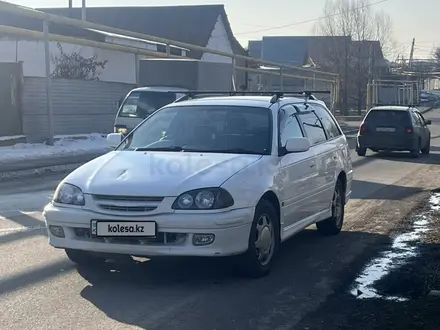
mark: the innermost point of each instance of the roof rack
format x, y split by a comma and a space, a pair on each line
275, 95
411, 105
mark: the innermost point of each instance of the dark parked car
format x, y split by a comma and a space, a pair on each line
394, 128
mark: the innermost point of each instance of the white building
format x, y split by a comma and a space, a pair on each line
205, 26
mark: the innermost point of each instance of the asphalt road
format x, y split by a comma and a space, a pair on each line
41, 289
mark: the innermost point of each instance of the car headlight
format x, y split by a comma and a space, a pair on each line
204, 199
68, 194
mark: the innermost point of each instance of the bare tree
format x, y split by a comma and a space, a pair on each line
76, 66
360, 24
436, 55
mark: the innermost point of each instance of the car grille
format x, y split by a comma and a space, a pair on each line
127, 203
162, 238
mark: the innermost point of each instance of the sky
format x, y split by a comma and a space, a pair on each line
253, 19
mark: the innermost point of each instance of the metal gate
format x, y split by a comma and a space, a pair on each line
393, 92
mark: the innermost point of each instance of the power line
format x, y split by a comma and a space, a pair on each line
310, 20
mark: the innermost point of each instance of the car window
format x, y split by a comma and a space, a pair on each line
415, 119
422, 120
327, 121
210, 128
141, 104
289, 125
313, 127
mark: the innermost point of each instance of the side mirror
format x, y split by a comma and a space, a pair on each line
114, 139
428, 122
297, 145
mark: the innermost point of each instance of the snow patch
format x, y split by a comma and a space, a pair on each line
401, 251
12, 137
66, 145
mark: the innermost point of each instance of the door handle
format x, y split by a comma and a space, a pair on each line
312, 164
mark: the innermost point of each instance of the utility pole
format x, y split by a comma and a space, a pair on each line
83, 10
70, 8
411, 54
369, 101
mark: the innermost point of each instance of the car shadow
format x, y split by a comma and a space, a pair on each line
373, 190
431, 159
192, 293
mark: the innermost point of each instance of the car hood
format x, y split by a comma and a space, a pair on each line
164, 174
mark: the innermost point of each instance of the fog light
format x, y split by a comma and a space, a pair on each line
203, 239
57, 231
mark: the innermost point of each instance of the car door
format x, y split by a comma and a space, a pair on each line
315, 132
418, 126
330, 155
424, 129
298, 170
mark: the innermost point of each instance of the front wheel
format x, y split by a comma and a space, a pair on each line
263, 242
333, 225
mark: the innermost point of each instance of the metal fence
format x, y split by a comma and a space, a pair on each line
264, 75
393, 92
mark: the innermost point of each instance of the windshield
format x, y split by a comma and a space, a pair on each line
221, 129
142, 104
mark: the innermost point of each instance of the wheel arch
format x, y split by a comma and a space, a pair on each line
272, 198
343, 178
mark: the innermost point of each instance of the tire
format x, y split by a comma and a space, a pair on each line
84, 258
253, 263
361, 151
333, 225
427, 149
416, 152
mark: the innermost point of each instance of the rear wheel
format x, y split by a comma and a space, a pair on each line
415, 153
263, 242
427, 148
333, 225
361, 151
84, 258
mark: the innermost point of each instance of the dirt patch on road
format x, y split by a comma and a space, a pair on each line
411, 281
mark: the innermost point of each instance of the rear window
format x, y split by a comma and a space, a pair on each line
387, 117
143, 104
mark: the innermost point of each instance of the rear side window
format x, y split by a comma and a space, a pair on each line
415, 118
388, 118
328, 122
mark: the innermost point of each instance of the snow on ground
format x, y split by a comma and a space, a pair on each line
65, 146
12, 137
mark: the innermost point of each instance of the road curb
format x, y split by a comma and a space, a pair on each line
44, 165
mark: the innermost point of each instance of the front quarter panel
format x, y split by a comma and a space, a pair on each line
248, 185
346, 165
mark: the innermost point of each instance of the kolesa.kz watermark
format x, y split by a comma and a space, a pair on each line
123, 228
126, 229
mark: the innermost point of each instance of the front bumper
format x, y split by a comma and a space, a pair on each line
175, 235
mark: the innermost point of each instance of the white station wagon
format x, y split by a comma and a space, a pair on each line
212, 176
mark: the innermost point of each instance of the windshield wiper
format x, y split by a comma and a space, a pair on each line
231, 151
172, 148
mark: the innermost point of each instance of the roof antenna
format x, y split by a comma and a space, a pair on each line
306, 98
